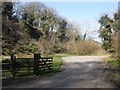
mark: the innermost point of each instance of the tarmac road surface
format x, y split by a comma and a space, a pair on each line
77, 72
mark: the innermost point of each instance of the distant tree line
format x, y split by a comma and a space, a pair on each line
34, 27
30, 27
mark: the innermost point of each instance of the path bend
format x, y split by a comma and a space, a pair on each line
78, 72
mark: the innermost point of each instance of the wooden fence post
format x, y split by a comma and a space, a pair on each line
13, 58
39, 55
36, 64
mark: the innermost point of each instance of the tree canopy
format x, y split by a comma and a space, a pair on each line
108, 27
27, 23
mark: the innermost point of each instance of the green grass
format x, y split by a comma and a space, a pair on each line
114, 63
57, 62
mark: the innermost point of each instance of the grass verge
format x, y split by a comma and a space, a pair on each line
115, 67
112, 61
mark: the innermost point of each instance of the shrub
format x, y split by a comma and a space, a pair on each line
83, 47
28, 48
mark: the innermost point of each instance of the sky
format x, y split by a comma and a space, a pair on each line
84, 14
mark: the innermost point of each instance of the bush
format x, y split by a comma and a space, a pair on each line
5, 51
28, 48
83, 47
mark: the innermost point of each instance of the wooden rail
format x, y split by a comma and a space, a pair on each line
38, 64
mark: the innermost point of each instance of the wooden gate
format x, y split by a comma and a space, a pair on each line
38, 64
42, 63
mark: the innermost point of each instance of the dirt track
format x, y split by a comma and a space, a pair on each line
78, 72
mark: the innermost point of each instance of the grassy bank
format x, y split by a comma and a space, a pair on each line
114, 66
112, 61
57, 61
